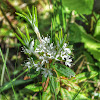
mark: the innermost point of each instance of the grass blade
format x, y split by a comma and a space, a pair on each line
3, 70
7, 71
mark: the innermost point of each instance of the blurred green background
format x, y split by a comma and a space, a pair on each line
80, 20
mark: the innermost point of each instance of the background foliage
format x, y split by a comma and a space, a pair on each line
80, 20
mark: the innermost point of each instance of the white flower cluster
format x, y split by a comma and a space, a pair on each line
47, 52
64, 55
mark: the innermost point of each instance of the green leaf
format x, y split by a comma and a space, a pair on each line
8, 85
47, 94
25, 16
34, 88
84, 76
70, 84
33, 12
20, 39
27, 33
79, 96
21, 15
81, 6
22, 35
35, 44
92, 46
29, 13
65, 94
64, 70
97, 30
64, 39
54, 85
36, 23
75, 33
78, 34
56, 38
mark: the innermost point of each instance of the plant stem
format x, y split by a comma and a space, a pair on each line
8, 20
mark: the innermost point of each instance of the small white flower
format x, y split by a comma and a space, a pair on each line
51, 46
46, 72
56, 58
44, 59
68, 62
28, 64
68, 50
38, 66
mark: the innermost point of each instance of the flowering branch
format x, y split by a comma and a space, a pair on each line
48, 53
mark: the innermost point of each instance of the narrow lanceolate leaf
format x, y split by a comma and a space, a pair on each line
22, 35
36, 17
20, 39
64, 70
29, 13
35, 44
27, 33
65, 94
64, 40
47, 94
56, 38
84, 76
54, 85
21, 15
33, 12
